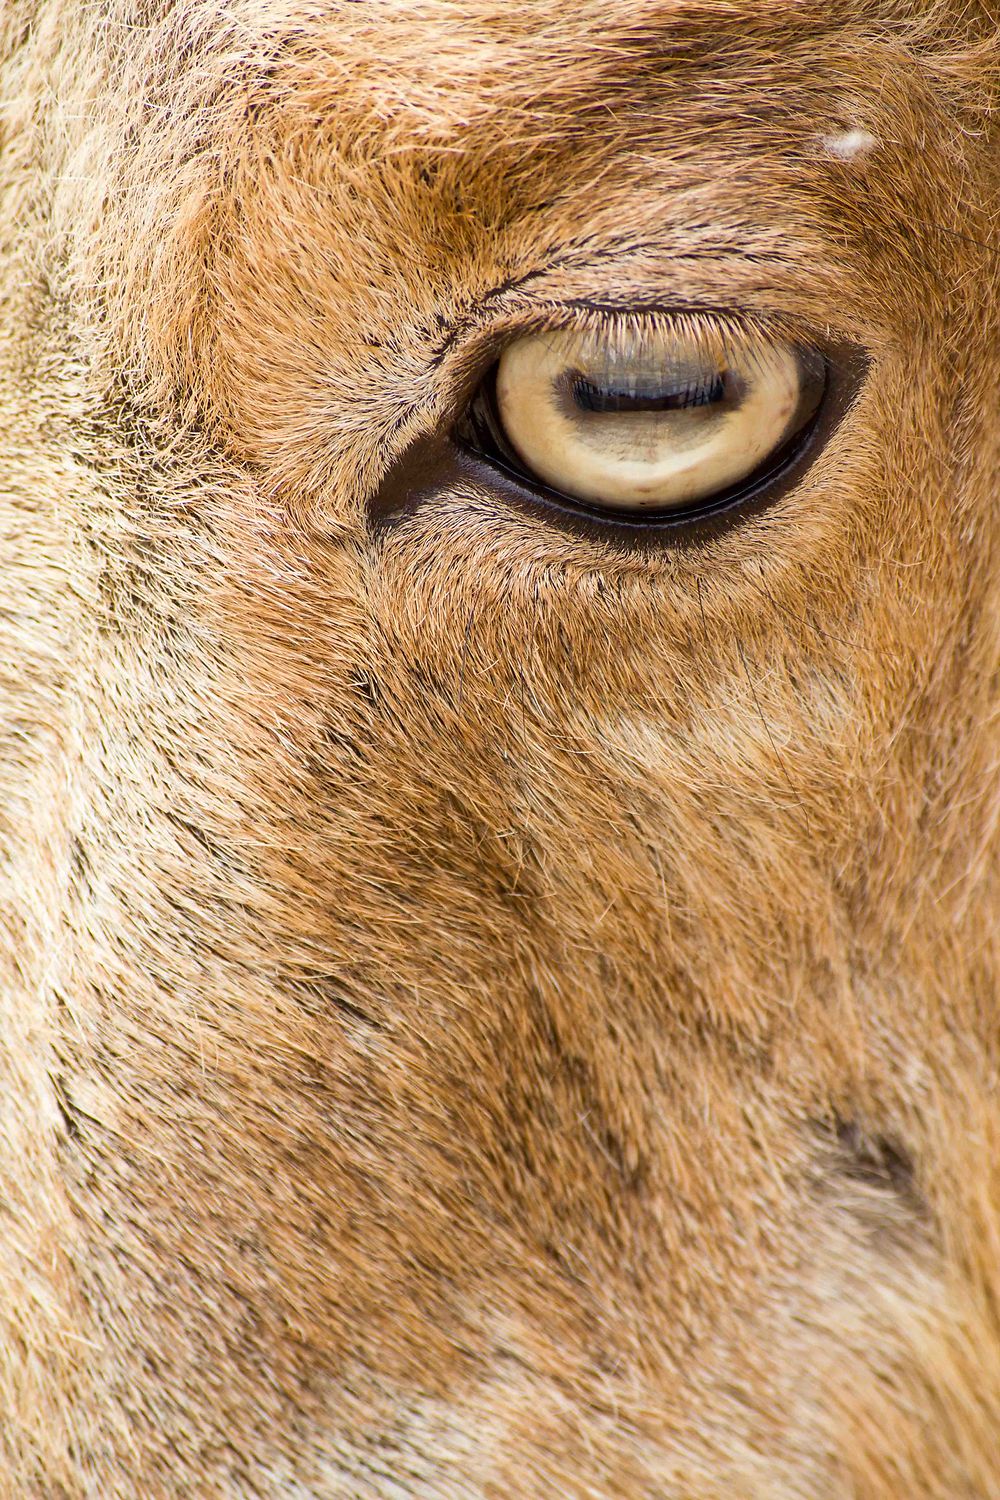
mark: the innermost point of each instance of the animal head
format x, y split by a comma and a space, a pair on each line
498, 748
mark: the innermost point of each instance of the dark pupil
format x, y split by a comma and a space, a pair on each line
706, 391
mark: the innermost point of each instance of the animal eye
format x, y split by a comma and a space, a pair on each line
649, 418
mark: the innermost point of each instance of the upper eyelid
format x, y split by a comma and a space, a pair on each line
445, 379
465, 359
629, 276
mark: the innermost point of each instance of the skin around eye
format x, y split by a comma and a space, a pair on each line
655, 420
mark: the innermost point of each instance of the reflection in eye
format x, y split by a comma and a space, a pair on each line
653, 415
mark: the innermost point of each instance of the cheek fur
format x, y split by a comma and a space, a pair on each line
489, 1006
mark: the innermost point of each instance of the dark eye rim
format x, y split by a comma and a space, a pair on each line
480, 429
443, 462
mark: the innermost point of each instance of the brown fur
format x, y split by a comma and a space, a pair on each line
484, 1013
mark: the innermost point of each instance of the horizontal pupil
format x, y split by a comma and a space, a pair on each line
706, 392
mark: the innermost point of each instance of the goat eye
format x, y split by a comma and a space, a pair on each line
660, 417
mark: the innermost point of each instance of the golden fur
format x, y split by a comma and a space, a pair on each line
484, 1013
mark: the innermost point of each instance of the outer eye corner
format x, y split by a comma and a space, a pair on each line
651, 431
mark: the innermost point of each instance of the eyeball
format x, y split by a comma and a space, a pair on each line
652, 417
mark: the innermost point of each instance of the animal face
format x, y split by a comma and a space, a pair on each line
498, 748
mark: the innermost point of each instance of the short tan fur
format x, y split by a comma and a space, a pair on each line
485, 1011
